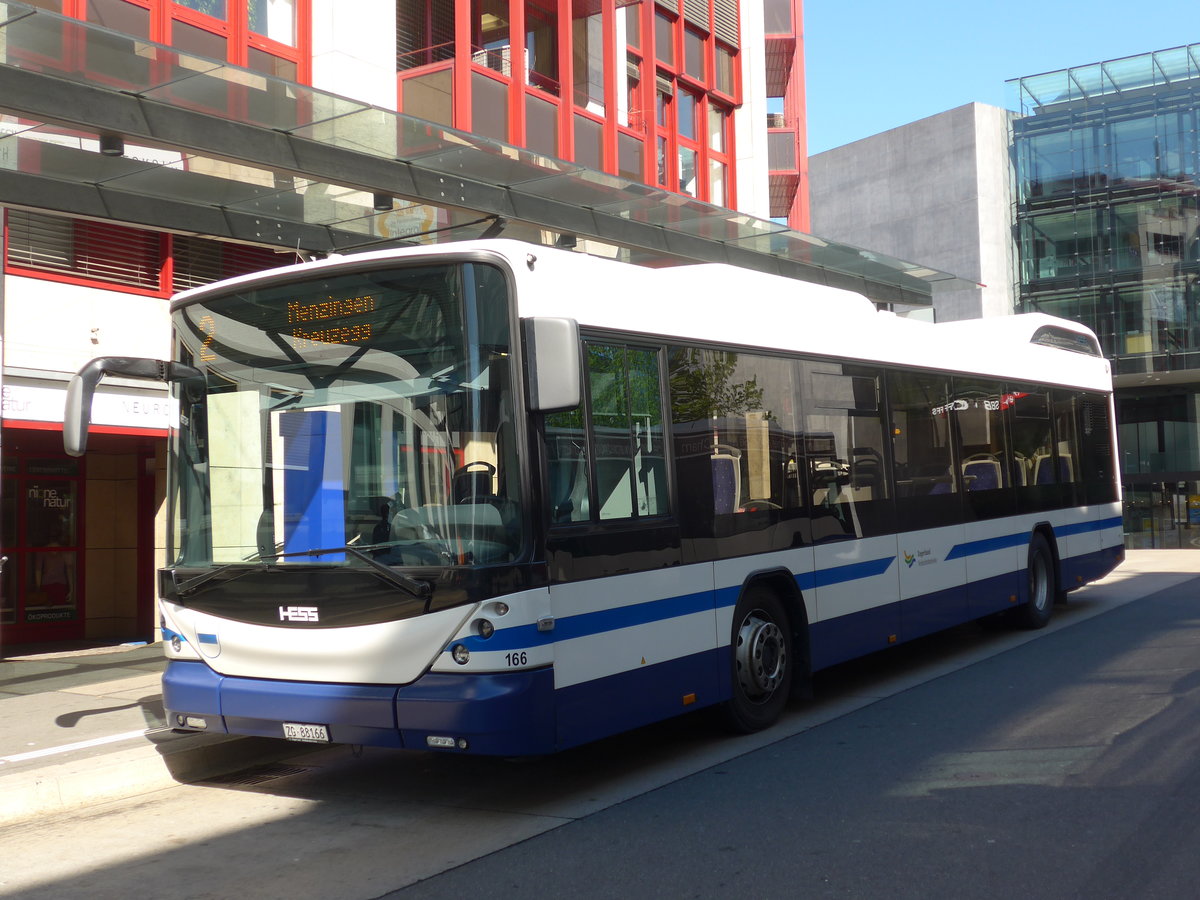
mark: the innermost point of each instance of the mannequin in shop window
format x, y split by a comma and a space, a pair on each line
53, 574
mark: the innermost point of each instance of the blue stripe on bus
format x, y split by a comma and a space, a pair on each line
987, 545
1085, 527
588, 624
841, 574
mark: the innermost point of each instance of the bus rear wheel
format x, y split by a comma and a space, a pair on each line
1041, 585
762, 661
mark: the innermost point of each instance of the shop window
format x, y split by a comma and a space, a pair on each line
40, 533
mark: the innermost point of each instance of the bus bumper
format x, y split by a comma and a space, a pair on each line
501, 714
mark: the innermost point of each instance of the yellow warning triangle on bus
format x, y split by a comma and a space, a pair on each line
643, 660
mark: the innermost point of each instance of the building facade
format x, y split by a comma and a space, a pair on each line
588, 98
934, 190
1107, 224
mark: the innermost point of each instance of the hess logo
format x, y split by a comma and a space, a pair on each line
299, 614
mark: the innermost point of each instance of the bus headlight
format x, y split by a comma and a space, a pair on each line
461, 654
485, 628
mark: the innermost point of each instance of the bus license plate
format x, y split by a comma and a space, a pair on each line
295, 731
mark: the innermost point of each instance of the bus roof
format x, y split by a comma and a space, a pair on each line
723, 304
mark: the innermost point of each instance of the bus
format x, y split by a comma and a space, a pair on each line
498, 498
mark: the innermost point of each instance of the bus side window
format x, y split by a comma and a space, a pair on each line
845, 450
625, 475
1066, 441
734, 427
1095, 449
922, 406
1033, 447
567, 469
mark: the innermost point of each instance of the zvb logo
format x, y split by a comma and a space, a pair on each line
909, 559
299, 614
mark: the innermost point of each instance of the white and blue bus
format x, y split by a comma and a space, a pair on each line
504, 499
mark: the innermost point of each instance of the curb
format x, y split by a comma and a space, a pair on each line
161, 760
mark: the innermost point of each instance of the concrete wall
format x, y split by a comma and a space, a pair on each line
354, 50
750, 119
934, 192
57, 327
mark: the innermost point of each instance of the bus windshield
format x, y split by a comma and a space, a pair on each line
367, 415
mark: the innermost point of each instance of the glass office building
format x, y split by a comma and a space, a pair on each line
1107, 219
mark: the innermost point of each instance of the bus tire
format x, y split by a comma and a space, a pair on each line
1040, 583
762, 661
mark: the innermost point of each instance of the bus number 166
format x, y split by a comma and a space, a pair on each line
516, 659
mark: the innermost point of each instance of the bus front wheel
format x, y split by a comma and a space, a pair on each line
762, 661
1038, 606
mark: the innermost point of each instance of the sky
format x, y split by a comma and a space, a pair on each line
872, 65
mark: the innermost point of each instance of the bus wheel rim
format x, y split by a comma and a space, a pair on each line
1040, 588
761, 656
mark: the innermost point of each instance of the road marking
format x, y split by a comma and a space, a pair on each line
79, 745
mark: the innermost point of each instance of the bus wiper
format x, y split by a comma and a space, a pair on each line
253, 564
413, 586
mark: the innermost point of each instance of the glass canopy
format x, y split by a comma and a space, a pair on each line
1114, 76
120, 126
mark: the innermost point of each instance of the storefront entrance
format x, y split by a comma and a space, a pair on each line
1162, 515
78, 537
41, 532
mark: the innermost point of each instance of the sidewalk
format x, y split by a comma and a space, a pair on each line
79, 726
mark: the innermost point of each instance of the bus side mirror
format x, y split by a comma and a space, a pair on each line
78, 415
552, 359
